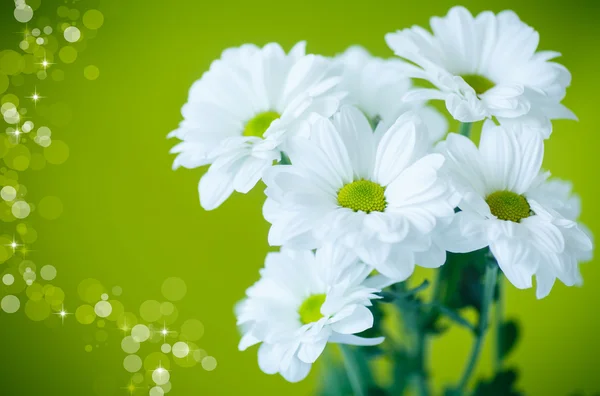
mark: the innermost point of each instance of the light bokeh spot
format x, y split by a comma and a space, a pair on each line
132, 363
91, 72
150, 311
103, 309
192, 330
23, 13
8, 193
72, 34
37, 310
209, 363
174, 289
180, 349
21, 209
10, 304
85, 314
161, 376
93, 19
48, 272
129, 345
156, 391
140, 333
8, 279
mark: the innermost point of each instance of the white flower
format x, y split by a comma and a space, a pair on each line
485, 66
303, 301
558, 195
508, 205
376, 87
240, 113
378, 194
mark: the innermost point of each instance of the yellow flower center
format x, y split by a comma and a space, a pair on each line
363, 195
258, 125
479, 83
310, 310
507, 205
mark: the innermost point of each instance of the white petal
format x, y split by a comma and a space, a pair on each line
399, 266
515, 260
465, 234
325, 135
506, 101
433, 258
544, 281
215, 187
360, 320
465, 163
309, 352
357, 135
247, 341
249, 174
350, 339
296, 371
420, 193
404, 142
465, 109
269, 357
545, 234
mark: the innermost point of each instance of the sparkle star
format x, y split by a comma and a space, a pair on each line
44, 63
63, 314
16, 133
35, 96
131, 388
125, 328
165, 332
14, 245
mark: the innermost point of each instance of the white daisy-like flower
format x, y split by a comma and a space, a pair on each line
303, 301
507, 204
241, 112
379, 194
558, 194
376, 86
485, 66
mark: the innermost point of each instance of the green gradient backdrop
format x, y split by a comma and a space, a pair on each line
130, 220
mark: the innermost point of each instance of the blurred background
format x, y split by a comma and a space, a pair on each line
127, 220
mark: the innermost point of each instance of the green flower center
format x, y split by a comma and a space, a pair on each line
310, 310
258, 125
507, 205
479, 83
363, 195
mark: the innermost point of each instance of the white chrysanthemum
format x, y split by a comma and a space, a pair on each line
379, 194
485, 66
376, 87
303, 301
240, 113
508, 205
558, 195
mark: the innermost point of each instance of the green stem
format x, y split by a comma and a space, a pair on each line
465, 129
421, 351
450, 314
352, 370
392, 296
285, 160
499, 321
488, 296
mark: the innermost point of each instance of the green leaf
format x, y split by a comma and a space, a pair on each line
509, 336
403, 369
503, 384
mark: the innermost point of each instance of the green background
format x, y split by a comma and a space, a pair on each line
129, 220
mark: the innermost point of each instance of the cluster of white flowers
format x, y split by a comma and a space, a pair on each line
358, 179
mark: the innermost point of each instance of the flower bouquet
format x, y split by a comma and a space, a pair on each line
363, 184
